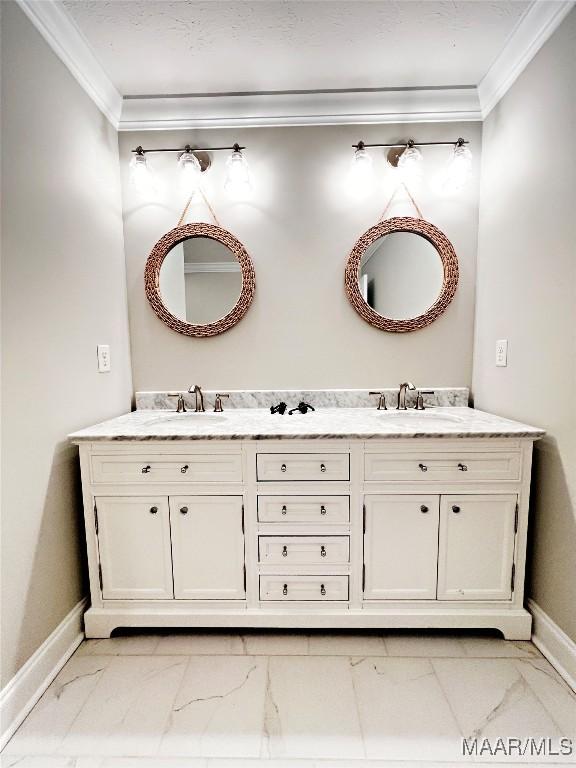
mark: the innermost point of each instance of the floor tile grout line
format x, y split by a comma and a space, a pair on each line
357, 703
446, 697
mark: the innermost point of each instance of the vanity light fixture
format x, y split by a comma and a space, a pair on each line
238, 183
141, 174
361, 172
409, 160
193, 161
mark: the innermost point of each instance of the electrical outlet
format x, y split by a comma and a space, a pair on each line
502, 353
103, 351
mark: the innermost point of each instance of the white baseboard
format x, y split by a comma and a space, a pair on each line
22, 692
554, 644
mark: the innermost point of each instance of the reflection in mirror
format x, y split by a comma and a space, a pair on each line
401, 275
200, 280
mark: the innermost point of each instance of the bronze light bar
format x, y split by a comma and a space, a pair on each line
411, 143
236, 148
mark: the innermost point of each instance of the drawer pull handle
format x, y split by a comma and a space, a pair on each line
462, 467
423, 467
184, 510
285, 590
184, 469
322, 467
284, 509
322, 509
455, 509
146, 469
322, 590
322, 551
284, 551
283, 468
153, 510
423, 508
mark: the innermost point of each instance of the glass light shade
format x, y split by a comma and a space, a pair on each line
410, 163
238, 183
361, 172
141, 176
458, 171
190, 172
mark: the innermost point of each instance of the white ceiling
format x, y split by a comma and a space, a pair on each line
152, 47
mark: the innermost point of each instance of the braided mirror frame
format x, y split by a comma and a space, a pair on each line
152, 278
449, 264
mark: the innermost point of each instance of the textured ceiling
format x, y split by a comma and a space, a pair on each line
151, 47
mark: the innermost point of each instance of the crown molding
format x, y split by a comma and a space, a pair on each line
68, 43
283, 108
534, 28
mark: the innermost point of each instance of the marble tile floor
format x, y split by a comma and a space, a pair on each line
337, 700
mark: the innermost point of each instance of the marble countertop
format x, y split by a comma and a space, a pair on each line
324, 423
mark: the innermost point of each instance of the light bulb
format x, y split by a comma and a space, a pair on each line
361, 171
141, 175
458, 171
190, 171
238, 183
410, 163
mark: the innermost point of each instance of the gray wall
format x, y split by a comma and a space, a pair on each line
527, 293
63, 292
299, 227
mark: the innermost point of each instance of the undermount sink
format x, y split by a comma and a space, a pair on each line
209, 418
425, 417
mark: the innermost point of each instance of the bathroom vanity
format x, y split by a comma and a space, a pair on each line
344, 517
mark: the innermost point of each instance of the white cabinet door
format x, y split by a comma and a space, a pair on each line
134, 547
208, 547
401, 547
476, 547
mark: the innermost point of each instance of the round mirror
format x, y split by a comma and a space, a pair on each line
199, 279
401, 274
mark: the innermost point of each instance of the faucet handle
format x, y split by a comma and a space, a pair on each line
218, 403
420, 399
181, 407
381, 402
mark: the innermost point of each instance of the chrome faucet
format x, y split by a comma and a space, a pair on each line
381, 400
197, 392
402, 395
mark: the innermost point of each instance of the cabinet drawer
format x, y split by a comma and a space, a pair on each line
295, 588
303, 509
308, 550
303, 466
384, 467
222, 468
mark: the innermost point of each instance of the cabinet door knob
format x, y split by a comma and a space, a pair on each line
455, 508
423, 508
423, 467
146, 469
322, 590
184, 469
322, 467
283, 468
322, 551
153, 510
284, 509
284, 551
285, 589
184, 510
462, 467
322, 509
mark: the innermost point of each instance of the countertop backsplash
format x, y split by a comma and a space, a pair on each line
319, 398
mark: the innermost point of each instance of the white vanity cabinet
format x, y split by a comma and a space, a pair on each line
374, 533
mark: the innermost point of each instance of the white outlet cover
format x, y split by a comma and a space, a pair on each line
502, 353
103, 352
